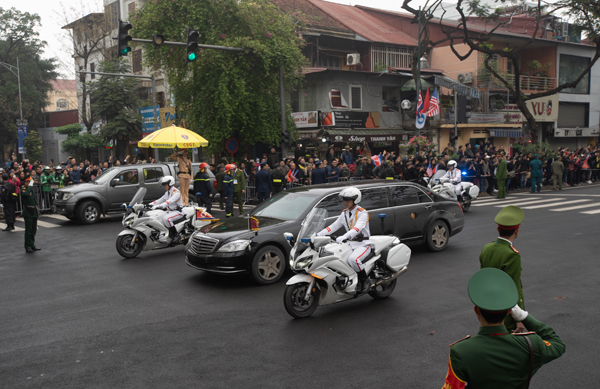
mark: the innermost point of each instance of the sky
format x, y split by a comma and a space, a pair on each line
52, 16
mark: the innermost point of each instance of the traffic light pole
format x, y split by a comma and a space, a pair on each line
284, 144
156, 156
455, 119
170, 43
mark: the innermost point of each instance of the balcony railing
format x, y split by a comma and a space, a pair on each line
527, 82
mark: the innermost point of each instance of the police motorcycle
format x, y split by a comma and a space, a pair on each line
442, 186
145, 230
324, 277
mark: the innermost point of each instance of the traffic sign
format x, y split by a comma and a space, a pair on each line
21, 134
232, 146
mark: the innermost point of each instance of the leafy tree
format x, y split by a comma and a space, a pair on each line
18, 38
115, 101
33, 145
223, 93
78, 140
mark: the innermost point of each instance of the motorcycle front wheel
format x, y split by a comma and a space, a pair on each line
128, 250
294, 301
466, 206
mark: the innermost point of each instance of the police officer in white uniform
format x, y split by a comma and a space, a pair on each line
356, 222
454, 175
172, 202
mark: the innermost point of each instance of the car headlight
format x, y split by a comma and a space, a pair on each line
67, 195
236, 245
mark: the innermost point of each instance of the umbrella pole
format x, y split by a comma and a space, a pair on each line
156, 154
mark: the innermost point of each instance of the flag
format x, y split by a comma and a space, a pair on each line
419, 104
429, 171
434, 104
376, 160
253, 224
435, 168
420, 121
425, 103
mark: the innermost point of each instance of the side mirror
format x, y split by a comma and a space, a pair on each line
321, 241
114, 182
290, 238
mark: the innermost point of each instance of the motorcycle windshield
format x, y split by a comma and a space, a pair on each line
313, 223
439, 174
138, 197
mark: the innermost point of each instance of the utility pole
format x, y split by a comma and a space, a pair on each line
284, 144
20, 122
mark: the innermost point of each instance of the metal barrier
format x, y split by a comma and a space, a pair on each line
44, 199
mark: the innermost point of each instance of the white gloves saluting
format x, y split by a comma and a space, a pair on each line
518, 314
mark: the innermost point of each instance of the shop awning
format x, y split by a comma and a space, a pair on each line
461, 89
367, 135
506, 133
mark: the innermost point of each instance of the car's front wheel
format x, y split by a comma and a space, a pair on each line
437, 236
268, 265
88, 212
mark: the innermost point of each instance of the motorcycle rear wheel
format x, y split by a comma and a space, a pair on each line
123, 248
294, 302
466, 206
383, 291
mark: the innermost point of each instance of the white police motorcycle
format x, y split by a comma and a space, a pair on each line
442, 186
145, 230
323, 275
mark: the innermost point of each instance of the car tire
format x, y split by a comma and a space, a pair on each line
383, 291
437, 236
268, 265
88, 212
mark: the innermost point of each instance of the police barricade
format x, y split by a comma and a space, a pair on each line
250, 194
43, 196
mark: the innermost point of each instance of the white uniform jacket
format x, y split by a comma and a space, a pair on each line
172, 198
355, 222
454, 176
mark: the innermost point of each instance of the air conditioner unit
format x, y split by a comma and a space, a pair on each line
352, 59
465, 78
565, 28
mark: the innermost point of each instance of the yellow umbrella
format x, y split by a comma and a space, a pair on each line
171, 137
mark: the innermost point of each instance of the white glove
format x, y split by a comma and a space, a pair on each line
340, 239
154, 206
518, 314
163, 206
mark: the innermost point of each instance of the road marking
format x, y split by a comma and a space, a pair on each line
576, 207
3, 226
595, 211
57, 217
42, 223
555, 204
536, 201
498, 201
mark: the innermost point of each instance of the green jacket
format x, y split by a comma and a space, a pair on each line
501, 173
29, 203
536, 168
496, 359
45, 181
219, 177
240, 178
558, 168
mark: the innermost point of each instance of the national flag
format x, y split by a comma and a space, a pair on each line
253, 224
419, 104
434, 104
425, 104
376, 160
435, 169
429, 171
420, 120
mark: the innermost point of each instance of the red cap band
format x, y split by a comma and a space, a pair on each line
509, 228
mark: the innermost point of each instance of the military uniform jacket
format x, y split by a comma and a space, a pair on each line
536, 168
501, 254
355, 222
29, 203
239, 181
496, 359
558, 167
501, 173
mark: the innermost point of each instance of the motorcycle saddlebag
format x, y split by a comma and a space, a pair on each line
398, 257
474, 191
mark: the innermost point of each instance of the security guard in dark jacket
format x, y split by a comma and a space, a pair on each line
228, 189
495, 358
388, 172
278, 178
264, 186
219, 177
30, 214
318, 174
202, 187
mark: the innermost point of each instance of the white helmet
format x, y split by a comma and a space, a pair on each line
351, 193
167, 180
452, 163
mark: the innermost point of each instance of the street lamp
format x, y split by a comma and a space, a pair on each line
18, 74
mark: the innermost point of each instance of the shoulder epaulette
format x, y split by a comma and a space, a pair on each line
524, 333
466, 337
361, 209
514, 249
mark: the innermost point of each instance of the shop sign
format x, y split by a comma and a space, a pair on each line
543, 109
481, 118
575, 132
366, 138
308, 119
148, 119
353, 119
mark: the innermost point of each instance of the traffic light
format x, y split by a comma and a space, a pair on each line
192, 45
124, 38
453, 135
286, 138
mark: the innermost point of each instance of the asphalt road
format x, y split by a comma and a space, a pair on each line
76, 315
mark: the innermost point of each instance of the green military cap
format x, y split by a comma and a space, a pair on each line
510, 217
493, 290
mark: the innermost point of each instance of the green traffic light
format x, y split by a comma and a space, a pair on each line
191, 56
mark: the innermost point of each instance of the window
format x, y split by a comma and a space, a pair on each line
356, 97
374, 199
93, 70
131, 8
152, 174
569, 70
333, 204
62, 104
127, 177
329, 61
46, 120
402, 195
383, 57
336, 99
111, 15
137, 61
160, 99
573, 114
81, 75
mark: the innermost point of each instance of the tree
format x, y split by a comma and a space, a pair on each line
78, 140
585, 13
115, 101
33, 145
226, 94
18, 38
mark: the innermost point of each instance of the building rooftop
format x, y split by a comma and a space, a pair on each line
62, 84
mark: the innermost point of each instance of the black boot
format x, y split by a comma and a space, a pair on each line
172, 234
364, 283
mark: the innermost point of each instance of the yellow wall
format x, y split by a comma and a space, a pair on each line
55, 95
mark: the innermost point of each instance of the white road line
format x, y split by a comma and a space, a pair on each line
555, 204
42, 223
490, 200
576, 207
498, 201
535, 201
3, 226
57, 217
595, 211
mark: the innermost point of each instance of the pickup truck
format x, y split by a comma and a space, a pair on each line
117, 185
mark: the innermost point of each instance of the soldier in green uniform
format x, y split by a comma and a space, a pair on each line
30, 214
46, 182
502, 255
495, 358
501, 175
239, 187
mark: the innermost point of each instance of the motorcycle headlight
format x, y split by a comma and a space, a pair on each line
127, 222
303, 262
67, 195
236, 245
